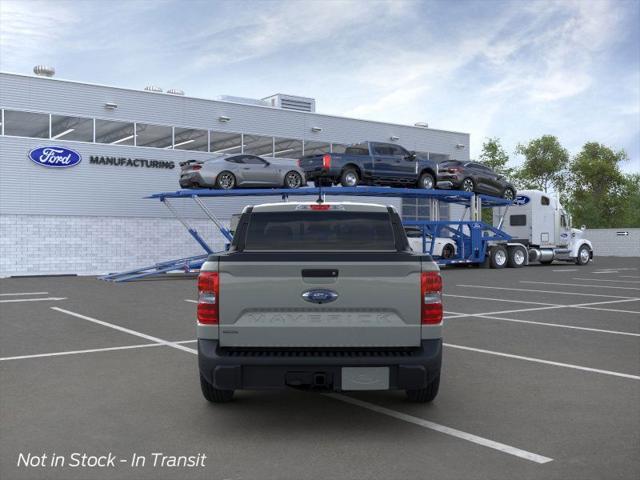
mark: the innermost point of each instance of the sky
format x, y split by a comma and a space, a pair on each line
515, 69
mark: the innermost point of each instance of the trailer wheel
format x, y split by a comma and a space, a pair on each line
499, 257
584, 255
517, 257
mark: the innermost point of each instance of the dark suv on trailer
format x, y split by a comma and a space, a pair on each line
474, 177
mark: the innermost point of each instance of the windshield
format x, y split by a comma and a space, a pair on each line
312, 230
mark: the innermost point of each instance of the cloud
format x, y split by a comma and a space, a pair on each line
31, 29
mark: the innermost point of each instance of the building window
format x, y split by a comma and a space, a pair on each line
156, 136
226, 143
258, 145
287, 148
71, 128
191, 139
115, 133
26, 124
316, 148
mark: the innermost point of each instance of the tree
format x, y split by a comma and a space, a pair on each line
545, 164
494, 156
599, 194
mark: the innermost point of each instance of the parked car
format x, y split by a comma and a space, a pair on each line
321, 297
474, 177
231, 171
371, 163
442, 247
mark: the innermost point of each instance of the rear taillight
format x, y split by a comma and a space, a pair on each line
430, 298
208, 297
196, 167
320, 206
326, 161
453, 170
299, 162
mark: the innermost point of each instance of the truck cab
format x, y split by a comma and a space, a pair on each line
538, 221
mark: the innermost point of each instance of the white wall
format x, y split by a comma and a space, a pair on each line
607, 242
47, 244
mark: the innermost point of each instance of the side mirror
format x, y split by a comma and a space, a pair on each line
411, 156
583, 227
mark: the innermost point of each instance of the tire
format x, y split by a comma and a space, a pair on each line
509, 194
427, 182
425, 395
468, 185
349, 178
499, 257
448, 251
212, 394
584, 255
225, 180
517, 257
293, 180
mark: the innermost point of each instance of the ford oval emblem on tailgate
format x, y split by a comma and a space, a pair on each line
320, 296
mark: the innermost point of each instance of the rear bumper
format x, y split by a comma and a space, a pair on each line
189, 180
254, 369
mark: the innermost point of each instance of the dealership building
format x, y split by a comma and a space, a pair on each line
91, 217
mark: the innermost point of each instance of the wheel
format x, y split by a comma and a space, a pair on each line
517, 257
426, 181
498, 257
225, 180
508, 194
212, 394
349, 178
293, 179
425, 395
584, 255
448, 251
467, 185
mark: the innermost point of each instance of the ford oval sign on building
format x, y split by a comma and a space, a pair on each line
55, 157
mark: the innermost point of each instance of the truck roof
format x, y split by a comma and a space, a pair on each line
292, 206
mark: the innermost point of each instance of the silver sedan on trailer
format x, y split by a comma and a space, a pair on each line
233, 171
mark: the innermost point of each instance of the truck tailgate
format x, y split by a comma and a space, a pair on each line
262, 300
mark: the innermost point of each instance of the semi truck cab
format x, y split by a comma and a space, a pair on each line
540, 223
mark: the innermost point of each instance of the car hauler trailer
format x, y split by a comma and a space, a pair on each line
477, 243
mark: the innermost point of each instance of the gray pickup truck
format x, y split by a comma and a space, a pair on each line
319, 296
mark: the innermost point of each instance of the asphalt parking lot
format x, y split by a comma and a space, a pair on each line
541, 379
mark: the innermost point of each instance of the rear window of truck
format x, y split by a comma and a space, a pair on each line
313, 231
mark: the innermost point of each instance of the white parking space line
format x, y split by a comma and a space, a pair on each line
544, 324
517, 452
547, 291
22, 293
545, 362
629, 276
90, 350
190, 301
126, 330
606, 280
44, 299
580, 285
500, 300
550, 307
566, 270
